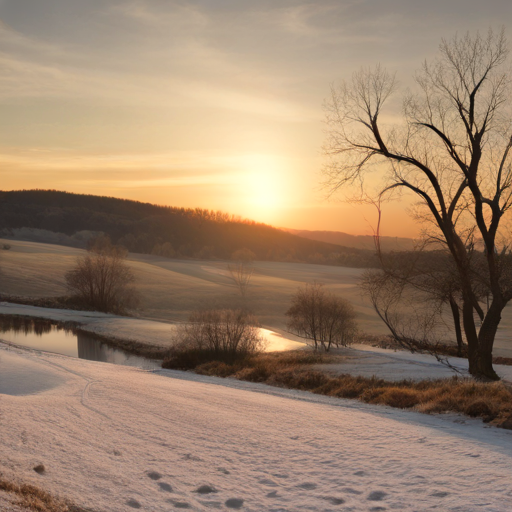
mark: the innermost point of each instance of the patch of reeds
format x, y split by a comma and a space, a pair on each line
36, 499
490, 401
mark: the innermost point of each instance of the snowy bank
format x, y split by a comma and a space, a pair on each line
114, 438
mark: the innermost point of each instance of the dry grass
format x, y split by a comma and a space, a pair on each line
35, 499
489, 401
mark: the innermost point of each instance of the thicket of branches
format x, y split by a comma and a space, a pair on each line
321, 317
451, 151
215, 335
415, 293
102, 280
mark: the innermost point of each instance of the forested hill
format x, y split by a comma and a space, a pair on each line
168, 231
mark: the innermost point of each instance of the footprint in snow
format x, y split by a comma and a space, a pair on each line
224, 470
154, 475
360, 473
189, 456
351, 491
267, 481
234, 503
211, 504
40, 469
164, 487
308, 486
376, 496
334, 501
133, 503
205, 489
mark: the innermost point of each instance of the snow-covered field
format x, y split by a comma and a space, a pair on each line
115, 439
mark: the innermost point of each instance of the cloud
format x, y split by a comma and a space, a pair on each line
172, 14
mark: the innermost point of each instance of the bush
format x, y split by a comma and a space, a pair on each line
102, 280
322, 317
215, 335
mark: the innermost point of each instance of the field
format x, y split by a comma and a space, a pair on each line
167, 439
171, 289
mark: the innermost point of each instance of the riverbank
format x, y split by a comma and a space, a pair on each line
147, 338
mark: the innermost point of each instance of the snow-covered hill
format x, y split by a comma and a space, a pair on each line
115, 439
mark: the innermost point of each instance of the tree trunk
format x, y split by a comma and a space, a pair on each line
456, 322
486, 338
468, 322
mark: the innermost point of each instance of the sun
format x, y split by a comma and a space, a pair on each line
262, 182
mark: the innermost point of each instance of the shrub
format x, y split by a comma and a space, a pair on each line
102, 280
215, 335
322, 317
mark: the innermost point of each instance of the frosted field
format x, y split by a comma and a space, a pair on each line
114, 439
171, 289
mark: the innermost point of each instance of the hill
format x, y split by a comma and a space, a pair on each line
388, 243
162, 230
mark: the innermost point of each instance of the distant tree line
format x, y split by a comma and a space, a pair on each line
167, 231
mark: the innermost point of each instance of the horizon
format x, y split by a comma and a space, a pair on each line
236, 218
214, 105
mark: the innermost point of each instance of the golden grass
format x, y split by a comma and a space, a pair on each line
490, 401
35, 499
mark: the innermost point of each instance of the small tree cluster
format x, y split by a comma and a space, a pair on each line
102, 280
322, 317
216, 334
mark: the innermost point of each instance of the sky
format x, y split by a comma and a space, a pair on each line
214, 104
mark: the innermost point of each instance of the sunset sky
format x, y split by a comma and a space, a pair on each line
215, 104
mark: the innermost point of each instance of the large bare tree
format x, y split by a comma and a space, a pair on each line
451, 149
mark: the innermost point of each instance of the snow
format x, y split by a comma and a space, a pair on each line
397, 365
115, 438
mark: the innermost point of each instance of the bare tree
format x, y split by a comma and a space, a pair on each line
242, 269
102, 280
220, 334
321, 317
451, 151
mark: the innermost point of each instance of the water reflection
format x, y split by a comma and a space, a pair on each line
67, 340
93, 349
26, 325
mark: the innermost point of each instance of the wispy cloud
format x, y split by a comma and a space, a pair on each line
181, 93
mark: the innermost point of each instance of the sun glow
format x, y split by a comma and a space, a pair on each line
262, 185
